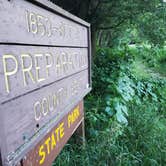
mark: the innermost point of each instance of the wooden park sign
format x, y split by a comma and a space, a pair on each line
45, 73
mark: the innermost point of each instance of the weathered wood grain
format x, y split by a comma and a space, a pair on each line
46, 65
45, 70
24, 22
33, 157
22, 121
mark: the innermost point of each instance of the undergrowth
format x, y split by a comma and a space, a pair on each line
125, 114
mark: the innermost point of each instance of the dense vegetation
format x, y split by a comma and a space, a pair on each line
126, 110
112, 20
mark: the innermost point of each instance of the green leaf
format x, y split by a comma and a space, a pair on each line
109, 111
121, 118
121, 112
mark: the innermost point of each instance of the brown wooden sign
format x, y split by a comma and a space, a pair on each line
28, 68
49, 147
33, 111
44, 73
35, 25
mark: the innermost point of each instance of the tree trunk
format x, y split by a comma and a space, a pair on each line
93, 39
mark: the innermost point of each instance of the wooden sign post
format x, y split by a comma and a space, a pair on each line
45, 72
49, 147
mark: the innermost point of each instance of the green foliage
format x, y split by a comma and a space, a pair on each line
149, 60
125, 113
121, 22
152, 25
106, 68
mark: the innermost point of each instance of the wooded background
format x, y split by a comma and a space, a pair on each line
111, 20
